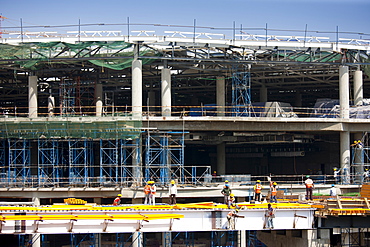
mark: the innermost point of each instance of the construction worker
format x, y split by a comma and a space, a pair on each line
231, 201
273, 187
231, 218
333, 190
147, 192
257, 191
269, 216
153, 191
226, 191
309, 187
172, 191
336, 175
117, 200
366, 175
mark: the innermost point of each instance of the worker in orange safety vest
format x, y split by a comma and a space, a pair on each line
257, 191
147, 192
117, 200
273, 187
309, 187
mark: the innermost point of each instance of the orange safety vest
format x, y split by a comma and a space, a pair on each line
258, 188
273, 191
116, 201
309, 185
147, 189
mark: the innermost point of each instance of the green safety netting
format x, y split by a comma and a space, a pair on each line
70, 129
117, 55
318, 57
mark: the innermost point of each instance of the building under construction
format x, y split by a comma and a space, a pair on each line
90, 114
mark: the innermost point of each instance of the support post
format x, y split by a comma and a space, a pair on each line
345, 156
358, 160
358, 89
137, 86
32, 96
166, 92
221, 158
137, 239
99, 99
344, 91
220, 95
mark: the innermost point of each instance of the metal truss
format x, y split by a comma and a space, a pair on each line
49, 169
109, 168
164, 158
80, 161
19, 172
241, 94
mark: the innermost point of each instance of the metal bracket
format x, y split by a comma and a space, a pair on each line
71, 225
296, 217
37, 222
105, 224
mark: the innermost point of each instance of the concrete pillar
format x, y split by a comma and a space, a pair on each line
36, 238
32, 96
220, 95
99, 99
344, 91
166, 92
137, 239
221, 158
345, 156
137, 89
51, 105
263, 93
358, 90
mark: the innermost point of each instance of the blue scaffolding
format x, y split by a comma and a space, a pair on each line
49, 169
109, 172
80, 161
241, 94
3, 165
130, 159
19, 170
164, 158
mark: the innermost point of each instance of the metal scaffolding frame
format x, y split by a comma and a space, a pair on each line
19, 170
241, 94
164, 158
129, 159
3, 164
49, 170
80, 161
109, 168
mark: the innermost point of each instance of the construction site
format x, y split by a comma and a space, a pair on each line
91, 114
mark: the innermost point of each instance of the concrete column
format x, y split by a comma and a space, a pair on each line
221, 158
137, 239
263, 93
36, 238
99, 99
345, 156
51, 105
137, 89
32, 96
344, 91
242, 239
220, 95
358, 90
166, 92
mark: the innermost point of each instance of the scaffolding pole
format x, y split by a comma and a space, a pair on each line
80, 161
241, 94
19, 162
109, 173
49, 171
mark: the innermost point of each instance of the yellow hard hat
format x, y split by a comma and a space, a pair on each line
172, 181
150, 182
355, 141
258, 181
274, 183
335, 169
226, 181
232, 195
119, 195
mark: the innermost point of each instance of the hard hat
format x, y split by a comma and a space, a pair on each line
119, 195
226, 181
258, 181
236, 210
335, 169
307, 176
355, 141
172, 181
332, 185
232, 195
150, 182
274, 183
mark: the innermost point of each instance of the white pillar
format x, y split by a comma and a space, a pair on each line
358, 159
345, 156
99, 99
36, 238
51, 105
263, 93
344, 91
220, 95
221, 158
242, 238
137, 239
358, 89
137, 89
32, 96
166, 92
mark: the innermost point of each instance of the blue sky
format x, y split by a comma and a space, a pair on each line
321, 15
